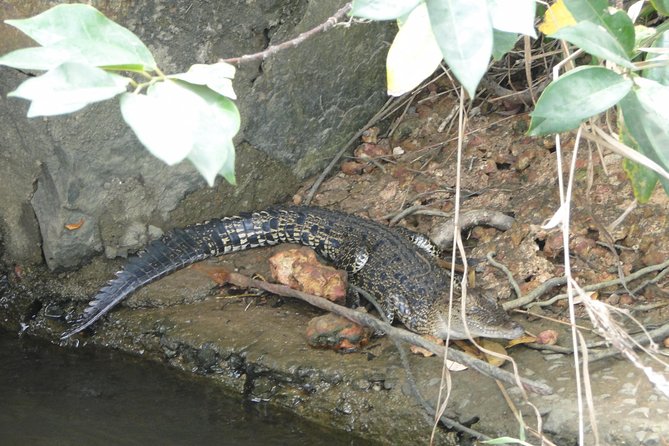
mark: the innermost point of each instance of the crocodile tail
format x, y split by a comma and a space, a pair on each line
176, 250
182, 247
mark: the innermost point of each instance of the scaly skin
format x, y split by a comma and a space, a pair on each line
401, 275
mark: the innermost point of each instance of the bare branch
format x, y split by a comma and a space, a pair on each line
328, 24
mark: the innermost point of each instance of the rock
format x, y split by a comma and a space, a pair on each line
337, 333
297, 108
300, 269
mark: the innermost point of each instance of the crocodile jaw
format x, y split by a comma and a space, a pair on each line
485, 318
509, 330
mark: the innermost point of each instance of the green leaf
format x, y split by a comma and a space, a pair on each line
413, 55
69, 87
215, 76
85, 30
382, 9
513, 16
642, 179
228, 169
175, 120
464, 34
596, 41
576, 96
659, 74
38, 58
618, 25
502, 43
646, 113
662, 6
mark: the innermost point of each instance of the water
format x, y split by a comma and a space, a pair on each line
59, 396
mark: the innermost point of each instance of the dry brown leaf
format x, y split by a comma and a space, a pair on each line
525, 339
74, 226
495, 347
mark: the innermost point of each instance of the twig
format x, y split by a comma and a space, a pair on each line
560, 281
608, 283
401, 334
535, 293
506, 271
325, 26
442, 235
642, 339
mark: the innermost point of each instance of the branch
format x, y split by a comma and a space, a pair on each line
325, 26
442, 234
397, 333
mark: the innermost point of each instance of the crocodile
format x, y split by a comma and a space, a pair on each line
397, 267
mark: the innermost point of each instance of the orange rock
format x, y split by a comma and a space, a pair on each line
337, 333
300, 269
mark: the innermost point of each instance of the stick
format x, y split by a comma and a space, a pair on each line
325, 26
398, 333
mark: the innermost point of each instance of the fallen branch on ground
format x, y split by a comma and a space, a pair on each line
442, 234
397, 333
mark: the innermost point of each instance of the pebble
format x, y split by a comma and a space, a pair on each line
628, 389
645, 411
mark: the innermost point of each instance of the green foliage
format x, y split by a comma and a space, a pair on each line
595, 40
464, 34
576, 96
81, 33
183, 116
69, 87
382, 9
646, 115
638, 89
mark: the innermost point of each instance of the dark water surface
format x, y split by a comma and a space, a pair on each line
63, 396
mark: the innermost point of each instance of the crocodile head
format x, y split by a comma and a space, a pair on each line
485, 318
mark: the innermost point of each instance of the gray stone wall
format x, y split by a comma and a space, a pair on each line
88, 170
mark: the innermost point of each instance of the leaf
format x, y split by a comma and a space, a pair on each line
464, 34
382, 9
215, 76
502, 43
39, 58
175, 120
659, 74
662, 6
69, 87
646, 113
495, 347
413, 55
86, 30
556, 18
642, 179
596, 41
75, 226
513, 16
576, 96
618, 25
228, 169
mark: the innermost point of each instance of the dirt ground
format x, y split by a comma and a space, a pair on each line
257, 345
506, 171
